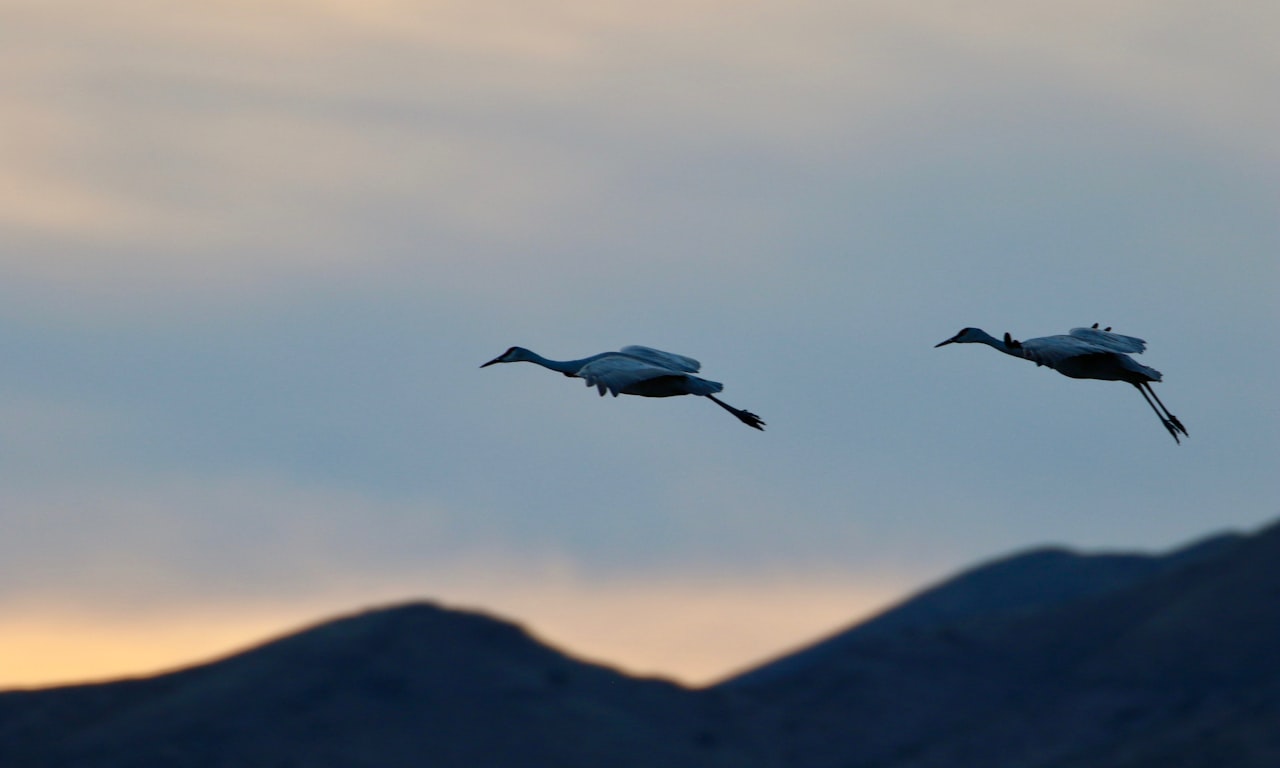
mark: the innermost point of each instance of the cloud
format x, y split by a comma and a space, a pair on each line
114, 544
1197, 70
476, 147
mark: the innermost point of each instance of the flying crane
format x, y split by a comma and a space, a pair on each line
635, 370
1084, 353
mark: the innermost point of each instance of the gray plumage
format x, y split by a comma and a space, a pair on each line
635, 370
1084, 353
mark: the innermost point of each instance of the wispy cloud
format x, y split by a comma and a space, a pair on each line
239, 143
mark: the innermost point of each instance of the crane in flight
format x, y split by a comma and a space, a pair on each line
635, 370
1084, 353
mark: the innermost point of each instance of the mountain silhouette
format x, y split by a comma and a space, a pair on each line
412, 685
1043, 659
1171, 661
1020, 584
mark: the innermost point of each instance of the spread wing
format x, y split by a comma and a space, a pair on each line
1054, 351
1105, 341
614, 373
669, 360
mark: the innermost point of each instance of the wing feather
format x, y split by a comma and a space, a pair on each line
668, 360
614, 373
1054, 350
1106, 341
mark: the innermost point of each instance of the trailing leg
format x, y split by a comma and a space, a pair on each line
746, 417
1172, 418
1169, 425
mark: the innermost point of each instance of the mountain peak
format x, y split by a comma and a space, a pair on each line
404, 685
1131, 661
1015, 585
1044, 658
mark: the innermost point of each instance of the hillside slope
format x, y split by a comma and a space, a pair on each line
1177, 666
408, 686
1047, 659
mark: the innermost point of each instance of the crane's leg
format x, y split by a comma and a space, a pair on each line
1172, 418
1173, 425
746, 417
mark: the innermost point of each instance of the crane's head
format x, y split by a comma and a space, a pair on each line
512, 355
965, 336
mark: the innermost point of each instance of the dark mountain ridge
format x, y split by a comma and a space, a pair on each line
410, 685
1019, 584
1047, 658
1177, 666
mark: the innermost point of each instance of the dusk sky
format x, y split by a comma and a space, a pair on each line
252, 255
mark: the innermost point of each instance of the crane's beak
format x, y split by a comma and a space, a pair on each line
944, 343
497, 359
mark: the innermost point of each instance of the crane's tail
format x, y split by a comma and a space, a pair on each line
746, 417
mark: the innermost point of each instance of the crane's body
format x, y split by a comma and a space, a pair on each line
635, 370
1084, 353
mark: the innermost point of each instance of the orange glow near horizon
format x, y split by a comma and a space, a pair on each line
695, 634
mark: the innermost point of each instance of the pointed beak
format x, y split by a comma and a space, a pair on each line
943, 343
497, 359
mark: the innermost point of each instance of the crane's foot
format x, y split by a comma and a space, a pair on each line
746, 417
1173, 428
1178, 424
750, 419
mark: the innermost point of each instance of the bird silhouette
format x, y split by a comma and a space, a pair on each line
635, 370
1084, 353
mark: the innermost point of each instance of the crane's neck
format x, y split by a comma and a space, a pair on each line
991, 341
567, 367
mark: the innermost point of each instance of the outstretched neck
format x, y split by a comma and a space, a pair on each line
1013, 348
567, 367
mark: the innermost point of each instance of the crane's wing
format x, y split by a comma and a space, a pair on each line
1055, 351
669, 360
1107, 341
614, 373
1052, 350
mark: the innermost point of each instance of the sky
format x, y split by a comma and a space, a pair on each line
252, 255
